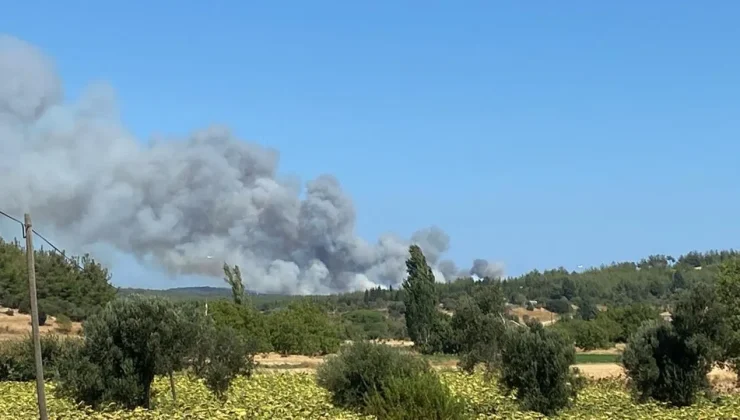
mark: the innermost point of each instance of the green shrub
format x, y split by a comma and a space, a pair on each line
415, 397
304, 328
220, 355
535, 363
64, 324
629, 318
248, 322
365, 324
670, 361
362, 368
558, 306
477, 334
587, 335
17, 357
124, 346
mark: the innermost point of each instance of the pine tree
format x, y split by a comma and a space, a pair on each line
419, 298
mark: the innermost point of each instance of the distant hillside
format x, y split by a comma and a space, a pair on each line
262, 301
182, 293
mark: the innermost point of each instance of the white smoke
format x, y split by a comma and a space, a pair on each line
172, 203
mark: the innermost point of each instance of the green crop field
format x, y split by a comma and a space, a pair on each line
296, 396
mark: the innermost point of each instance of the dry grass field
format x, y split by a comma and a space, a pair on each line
17, 326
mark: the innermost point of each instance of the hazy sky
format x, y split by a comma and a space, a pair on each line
536, 134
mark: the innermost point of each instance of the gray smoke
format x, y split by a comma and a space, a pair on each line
185, 205
483, 268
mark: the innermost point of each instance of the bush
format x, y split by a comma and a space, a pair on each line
477, 335
629, 318
17, 361
303, 328
365, 324
670, 361
221, 354
558, 306
125, 345
9, 312
587, 335
535, 363
64, 324
363, 368
248, 322
418, 397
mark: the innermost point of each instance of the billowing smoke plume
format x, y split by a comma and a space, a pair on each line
186, 205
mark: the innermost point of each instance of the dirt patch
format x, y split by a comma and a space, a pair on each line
543, 315
277, 361
18, 325
720, 378
617, 349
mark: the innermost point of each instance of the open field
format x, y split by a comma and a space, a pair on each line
17, 326
543, 315
296, 396
591, 365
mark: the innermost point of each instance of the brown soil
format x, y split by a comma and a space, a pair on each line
543, 315
19, 325
721, 378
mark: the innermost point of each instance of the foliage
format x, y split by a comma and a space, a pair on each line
558, 306
587, 335
248, 322
728, 285
76, 287
361, 369
234, 279
64, 324
478, 333
17, 357
629, 318
124, 346
219, 355
363, 324
422, 396
303, 328
587, 310
670, 361
535, 363
297, 396
420, 299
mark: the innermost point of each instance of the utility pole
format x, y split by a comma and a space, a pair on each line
28, 233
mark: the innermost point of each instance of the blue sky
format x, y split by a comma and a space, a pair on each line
547, 134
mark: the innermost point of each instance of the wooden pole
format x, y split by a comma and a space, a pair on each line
35, 318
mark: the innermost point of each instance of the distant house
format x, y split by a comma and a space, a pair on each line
666, 316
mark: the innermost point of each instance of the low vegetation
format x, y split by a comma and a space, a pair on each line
298, 396
152, 357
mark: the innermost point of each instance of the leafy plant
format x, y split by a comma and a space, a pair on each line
422, 396
363, 368
535, 364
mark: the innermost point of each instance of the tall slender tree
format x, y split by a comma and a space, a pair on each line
234, 279
419, 297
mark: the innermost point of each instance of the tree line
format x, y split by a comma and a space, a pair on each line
73, 286
130, 340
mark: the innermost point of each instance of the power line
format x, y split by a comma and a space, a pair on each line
60, 252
